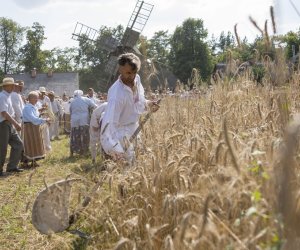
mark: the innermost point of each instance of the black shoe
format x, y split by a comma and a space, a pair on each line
17, 170
2, 174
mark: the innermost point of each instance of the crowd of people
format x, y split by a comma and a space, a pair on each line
94, 123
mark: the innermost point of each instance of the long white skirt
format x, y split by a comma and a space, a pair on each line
46, 137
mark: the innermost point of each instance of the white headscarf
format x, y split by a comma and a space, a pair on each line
78, 93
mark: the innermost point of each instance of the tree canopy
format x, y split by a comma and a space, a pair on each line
186, 50
11, 36
189, 50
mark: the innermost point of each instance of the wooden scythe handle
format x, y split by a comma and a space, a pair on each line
142, 123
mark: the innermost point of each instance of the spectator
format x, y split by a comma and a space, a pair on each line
80, 123
8, 129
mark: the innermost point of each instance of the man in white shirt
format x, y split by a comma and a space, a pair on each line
126, 102
66, 113
57, 111
8, 129
91, 95
17, 100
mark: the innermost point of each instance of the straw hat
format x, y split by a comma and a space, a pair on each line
42, 89
8, 81
19, 83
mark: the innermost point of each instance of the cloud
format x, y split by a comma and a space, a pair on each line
29, 4
60, 16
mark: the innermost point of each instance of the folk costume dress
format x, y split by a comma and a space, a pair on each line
33, 129
80, 123
46, 134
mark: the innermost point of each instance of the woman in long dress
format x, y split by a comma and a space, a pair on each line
80, 123
32, 132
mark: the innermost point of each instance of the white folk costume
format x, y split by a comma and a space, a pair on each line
18, 105
66, 115
54, 126
46, 135
33, 127
121, 117
95, 129
80, 123
95, 100
8, 134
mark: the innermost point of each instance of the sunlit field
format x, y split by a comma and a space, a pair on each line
213, 172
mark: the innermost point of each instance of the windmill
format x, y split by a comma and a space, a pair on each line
113, 46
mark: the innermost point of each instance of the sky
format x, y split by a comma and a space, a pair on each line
59, 17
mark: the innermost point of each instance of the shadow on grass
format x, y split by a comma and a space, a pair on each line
67, 159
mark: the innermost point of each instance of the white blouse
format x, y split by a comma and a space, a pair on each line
121, 115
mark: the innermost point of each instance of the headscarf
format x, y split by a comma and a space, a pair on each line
78, 93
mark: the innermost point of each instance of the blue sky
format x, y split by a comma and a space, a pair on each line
60, 16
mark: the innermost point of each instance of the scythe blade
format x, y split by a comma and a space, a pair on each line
50, 213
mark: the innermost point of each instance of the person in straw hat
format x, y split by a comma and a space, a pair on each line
8, 129
44, 107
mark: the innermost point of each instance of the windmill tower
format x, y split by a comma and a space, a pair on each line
113, 46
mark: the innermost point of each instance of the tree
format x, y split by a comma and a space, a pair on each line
158, 47
189, 50
292, 40
220, 45
11, 36
62, 60
225, 41
33, 56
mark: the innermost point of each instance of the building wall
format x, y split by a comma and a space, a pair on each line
58, 82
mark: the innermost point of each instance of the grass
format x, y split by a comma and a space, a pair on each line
18, 193
204, 178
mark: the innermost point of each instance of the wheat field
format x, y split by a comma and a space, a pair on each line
219, 170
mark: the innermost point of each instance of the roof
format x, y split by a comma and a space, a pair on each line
59, 82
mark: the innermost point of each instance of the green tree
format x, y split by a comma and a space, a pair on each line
220, 45
62, 60
225, 41
11, 36
158, 47
292, 40
32, 54
190, 50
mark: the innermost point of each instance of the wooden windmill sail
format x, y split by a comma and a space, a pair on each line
115, 47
